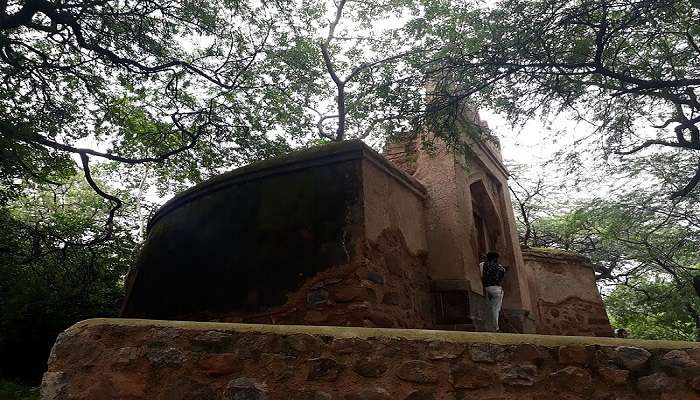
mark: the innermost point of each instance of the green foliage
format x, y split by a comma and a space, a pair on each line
645, 251
16, 391
625, 234
167, 82
53, 271
628, 69
369, 85
652, 309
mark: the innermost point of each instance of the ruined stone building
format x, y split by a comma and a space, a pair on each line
341, 235
309, 262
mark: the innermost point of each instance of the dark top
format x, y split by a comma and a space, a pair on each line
493, 273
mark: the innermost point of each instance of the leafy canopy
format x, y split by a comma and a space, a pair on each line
630, 69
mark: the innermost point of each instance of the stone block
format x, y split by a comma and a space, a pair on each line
421, 394
632, 358
519, 375
443, 350
213, 342
679, 363
245, 389
54, 386
470, 376
485, 352
369, 367
417, 371
166, 357
309, 395
279, 367
183, 389
570, 379
613, 375
220, 364
573, 355
324, 369
126, 356
368, 393
303, 343
656, 382
528, 353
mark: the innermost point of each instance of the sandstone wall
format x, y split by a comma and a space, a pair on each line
142, 359
567, 299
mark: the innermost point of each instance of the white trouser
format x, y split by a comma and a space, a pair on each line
495, 295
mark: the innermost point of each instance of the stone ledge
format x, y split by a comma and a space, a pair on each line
410, 334
550, 255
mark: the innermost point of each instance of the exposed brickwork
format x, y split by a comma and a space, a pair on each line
468, 213
385, 285
403, 155
573, 316
106, 361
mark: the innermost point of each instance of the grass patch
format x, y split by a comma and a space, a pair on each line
16, 391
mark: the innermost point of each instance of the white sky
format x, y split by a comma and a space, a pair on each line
526, 145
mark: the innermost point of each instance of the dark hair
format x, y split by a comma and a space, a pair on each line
491, 256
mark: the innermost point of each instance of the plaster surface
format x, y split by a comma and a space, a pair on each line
567, 298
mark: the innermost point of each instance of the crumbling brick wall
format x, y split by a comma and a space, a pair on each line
386, 285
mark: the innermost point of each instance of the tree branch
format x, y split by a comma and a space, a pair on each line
692, 183
117, 204
339, 83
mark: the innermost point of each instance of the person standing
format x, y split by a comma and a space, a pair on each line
492, 274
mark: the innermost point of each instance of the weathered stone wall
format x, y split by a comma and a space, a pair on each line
245, 240
389, 203
141, 359
327, 236
386, 285
567, 299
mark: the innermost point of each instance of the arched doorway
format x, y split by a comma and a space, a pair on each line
487, 233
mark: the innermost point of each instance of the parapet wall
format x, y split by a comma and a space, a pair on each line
146, 359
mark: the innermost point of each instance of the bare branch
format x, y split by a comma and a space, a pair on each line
117, 204
692, 183
650, 143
